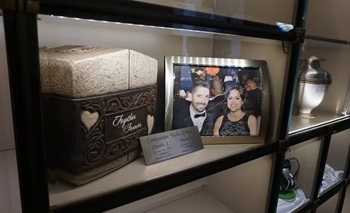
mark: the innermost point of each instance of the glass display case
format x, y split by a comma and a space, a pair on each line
333, 98
177, 42
336, 160
220, 174
330, 205
328, 42
298, 181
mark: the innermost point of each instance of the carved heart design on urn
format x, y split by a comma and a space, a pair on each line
150, 123
88, 119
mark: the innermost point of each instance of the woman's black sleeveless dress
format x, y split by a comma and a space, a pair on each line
237, 128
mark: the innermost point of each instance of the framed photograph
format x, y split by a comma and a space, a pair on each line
227, 99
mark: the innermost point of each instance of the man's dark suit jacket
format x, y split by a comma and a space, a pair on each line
182, 117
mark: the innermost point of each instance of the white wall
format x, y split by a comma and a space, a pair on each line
330, 205
6, 130
9, 193
338, 150
329, 19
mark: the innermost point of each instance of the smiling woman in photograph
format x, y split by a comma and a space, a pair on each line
235, 122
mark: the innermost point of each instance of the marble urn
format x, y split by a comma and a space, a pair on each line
313, 82
97, 102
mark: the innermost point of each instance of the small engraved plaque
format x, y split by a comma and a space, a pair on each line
119, 125
170, 144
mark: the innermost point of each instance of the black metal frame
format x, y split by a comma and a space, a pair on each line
322, 160
23, 65
323, 39
155, 15
291, 77
25, 93
342, 198
135, 192
346, 183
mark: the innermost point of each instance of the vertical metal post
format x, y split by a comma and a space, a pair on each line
341, 199
322, 160
346, 177
291, 76
23, 65
287, 103
275, 182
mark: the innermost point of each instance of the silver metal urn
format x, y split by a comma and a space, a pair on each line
313, 84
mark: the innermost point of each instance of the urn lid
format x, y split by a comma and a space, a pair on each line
312, 72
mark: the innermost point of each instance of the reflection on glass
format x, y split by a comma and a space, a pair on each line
252, 10
285, 27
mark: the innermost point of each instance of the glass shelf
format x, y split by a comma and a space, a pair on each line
228, 187
280, 11
196, 202
299, 124
137, 172
6, 131
180, 18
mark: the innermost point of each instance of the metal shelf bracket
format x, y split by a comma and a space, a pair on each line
300, 35
29, 6
282, 146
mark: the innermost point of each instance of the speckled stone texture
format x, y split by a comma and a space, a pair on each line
82, 71
142, 70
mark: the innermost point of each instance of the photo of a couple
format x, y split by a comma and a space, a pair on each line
219, 100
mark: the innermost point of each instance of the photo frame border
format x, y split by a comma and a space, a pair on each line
228, 62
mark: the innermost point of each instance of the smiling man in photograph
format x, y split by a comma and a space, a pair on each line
193, 112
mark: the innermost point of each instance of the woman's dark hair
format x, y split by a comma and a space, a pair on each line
240, 90
228, 89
